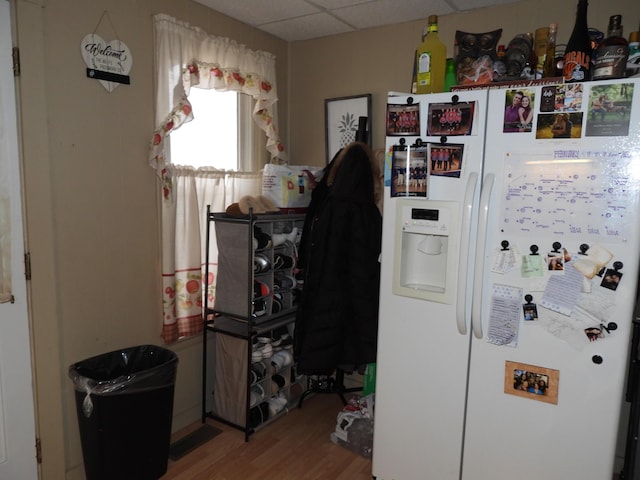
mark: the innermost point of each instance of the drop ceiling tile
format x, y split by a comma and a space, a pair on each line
257, 12
294, 20
331, 4
385, 12
473, 4
304, 28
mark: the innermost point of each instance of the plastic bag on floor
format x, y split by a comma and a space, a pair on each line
354, 426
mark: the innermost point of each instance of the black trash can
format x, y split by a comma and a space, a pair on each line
124, 404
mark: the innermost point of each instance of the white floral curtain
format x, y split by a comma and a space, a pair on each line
183, 245
188, 57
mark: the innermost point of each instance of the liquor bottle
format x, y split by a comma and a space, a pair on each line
413, 74
414, 79
541, 38
577, 55
610, 58
431, 58
450, 75
549, 68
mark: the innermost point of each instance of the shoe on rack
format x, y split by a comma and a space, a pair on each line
281, 261
261, 240
279, 381
284, 282
267, 351
258, 368
259, 307
264, 348
280, 238
261, 263
276, 306
260, 289
256, 395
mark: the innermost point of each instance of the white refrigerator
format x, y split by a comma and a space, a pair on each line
511, 244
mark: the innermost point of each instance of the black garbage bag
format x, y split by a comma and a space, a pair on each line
124, 403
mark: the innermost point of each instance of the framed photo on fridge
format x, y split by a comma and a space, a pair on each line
531, 381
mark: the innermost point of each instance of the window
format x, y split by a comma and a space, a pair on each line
221, 135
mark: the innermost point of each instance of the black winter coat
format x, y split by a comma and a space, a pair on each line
337, 317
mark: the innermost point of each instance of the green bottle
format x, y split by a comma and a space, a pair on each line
450, 75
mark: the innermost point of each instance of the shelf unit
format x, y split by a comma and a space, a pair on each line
255, 305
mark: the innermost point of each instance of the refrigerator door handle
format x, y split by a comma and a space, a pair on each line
463, 265
476, 309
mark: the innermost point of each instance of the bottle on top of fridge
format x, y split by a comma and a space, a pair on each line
450, 75
540, 42
577, 55
549, 67
610, 58
431, 58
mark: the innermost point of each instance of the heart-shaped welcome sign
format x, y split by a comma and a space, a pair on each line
108, 62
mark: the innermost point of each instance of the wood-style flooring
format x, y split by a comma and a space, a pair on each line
296, 446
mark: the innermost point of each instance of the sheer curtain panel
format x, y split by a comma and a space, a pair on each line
183, 247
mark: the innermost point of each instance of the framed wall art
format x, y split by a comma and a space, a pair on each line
347, 119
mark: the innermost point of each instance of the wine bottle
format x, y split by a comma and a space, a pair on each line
610, 58
577, 55
549, 68
431, 58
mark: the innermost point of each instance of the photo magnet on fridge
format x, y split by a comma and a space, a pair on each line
409, 171
450, 118
403, 120
611, 279
518, 111
594, 333
609, 110
561, 98
548, 99
530, 311
559, 125
446, 159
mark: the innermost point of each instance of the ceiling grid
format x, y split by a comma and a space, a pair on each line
295, 20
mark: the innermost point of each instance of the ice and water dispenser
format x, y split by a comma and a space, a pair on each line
425, 249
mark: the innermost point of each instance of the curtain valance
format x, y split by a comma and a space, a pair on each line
187, 57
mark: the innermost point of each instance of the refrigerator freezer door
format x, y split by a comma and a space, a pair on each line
422, 357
